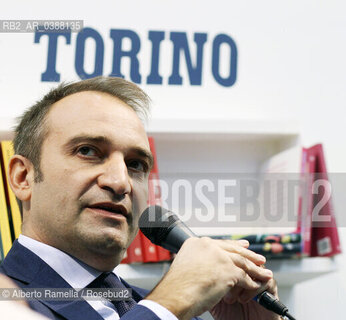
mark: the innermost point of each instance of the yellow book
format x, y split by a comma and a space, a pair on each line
7, 153
5, 233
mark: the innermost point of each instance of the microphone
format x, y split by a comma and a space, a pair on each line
164, 228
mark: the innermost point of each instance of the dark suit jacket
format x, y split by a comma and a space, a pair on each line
29, 271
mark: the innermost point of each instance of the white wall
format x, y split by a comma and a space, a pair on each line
291, 66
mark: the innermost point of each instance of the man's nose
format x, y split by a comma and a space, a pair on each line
115, 176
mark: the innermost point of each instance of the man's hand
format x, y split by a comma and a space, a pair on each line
238, 304
205, 271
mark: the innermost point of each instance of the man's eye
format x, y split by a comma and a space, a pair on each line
137, 165
87, 151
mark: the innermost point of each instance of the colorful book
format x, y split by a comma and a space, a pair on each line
277, 250
7, 153
265, 238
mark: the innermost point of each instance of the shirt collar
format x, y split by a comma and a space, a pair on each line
76, 273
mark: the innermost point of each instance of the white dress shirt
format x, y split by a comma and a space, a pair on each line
78, 275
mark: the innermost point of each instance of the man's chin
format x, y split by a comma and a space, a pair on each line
113, 244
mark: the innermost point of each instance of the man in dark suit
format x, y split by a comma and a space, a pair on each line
80, 170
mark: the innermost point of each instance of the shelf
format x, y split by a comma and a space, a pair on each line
222, 129
287, 272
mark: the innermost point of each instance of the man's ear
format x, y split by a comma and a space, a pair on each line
21, 174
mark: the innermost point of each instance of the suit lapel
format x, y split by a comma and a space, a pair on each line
30, 271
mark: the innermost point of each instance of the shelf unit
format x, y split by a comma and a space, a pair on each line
194, 149
205, 146
219, 145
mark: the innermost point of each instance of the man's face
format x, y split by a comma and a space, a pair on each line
95, 162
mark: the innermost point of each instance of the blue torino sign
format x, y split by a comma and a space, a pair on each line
180, 44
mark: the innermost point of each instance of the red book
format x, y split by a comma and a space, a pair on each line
324, 234
154, 197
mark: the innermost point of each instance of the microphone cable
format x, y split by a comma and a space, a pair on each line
270, 302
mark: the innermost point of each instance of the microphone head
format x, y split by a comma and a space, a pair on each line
156, 223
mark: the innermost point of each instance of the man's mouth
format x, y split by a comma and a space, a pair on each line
109, 207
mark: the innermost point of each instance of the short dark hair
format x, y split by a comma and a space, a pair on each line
32, 129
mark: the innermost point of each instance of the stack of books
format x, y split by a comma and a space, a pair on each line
273, 246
